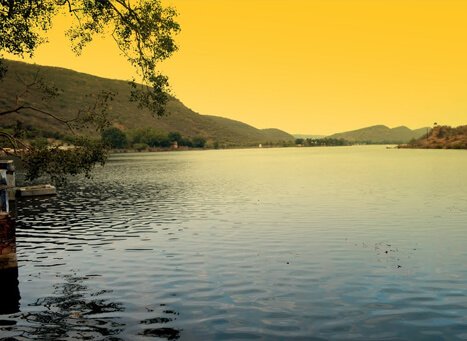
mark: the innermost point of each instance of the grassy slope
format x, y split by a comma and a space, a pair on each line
125, 114
381, 134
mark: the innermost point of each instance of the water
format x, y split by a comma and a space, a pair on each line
294, 243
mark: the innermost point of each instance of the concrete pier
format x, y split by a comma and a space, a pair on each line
7, 168
9, 290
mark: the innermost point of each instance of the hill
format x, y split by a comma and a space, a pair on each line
442, 137
124, 114
381, 134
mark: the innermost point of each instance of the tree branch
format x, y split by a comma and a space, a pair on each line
28, 107
13, 141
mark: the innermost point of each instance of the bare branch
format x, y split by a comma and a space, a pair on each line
11, 111
66, 2
72, 10
28, 107
27, 85
118, 45
13, 141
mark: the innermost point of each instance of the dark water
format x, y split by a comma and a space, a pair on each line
311, 243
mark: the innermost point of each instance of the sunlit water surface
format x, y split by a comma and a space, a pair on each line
297, 243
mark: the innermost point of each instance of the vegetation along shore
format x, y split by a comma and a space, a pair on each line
441, 137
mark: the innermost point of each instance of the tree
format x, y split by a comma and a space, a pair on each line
150, 137
175, 137
143, 30
198, 142
114, 138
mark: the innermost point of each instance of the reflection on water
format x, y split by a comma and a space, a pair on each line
74, 311
316, 243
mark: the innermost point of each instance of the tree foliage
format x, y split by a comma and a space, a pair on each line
322, 142
199, 142
21, 24
144, 32
150, 137
175, 136
114, 138
61, 162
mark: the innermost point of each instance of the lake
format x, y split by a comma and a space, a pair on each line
354, 243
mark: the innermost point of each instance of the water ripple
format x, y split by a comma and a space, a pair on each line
346, 244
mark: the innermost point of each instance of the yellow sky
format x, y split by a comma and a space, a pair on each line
308, 66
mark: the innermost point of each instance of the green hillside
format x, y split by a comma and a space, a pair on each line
381, 134
124, 114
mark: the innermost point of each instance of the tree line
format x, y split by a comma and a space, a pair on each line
143, 139
323, 142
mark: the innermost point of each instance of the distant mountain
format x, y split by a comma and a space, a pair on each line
231, 129
442, 137
381, 134
124, 114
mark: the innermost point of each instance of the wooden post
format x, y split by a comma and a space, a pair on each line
9, 290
